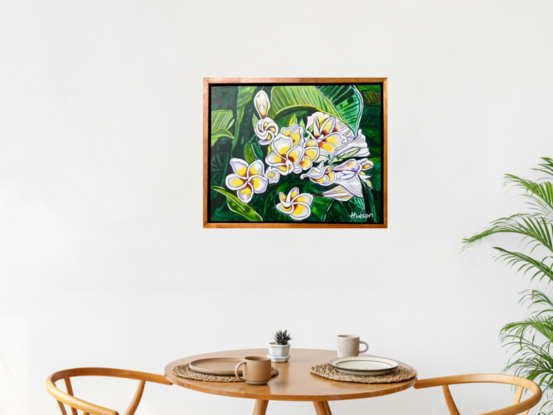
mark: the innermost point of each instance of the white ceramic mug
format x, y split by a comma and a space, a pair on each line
348, 345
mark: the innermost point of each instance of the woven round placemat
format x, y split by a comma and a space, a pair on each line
184, 371
401, 374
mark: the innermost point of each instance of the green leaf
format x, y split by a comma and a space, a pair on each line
293, 120
539, 195
253, 151
376, 177
221, 122
370, 209
320, 207
526, 264
224, 214
348, 102
237, 206
246, 130
219, 167
372, 94
222, 132
249, 155
257, 150
245, 94
254, 121
359, 202
341, 101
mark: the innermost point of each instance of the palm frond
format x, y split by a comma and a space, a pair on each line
531, 339
526, 263
537, 323
536, 297
546, 167
532, 227
539, 195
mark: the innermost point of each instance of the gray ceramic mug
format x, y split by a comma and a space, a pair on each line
348, 345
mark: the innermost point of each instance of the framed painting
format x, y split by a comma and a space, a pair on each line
295, 152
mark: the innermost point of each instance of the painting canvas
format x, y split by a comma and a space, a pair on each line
295, 153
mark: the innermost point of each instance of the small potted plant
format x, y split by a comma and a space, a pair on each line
279, 350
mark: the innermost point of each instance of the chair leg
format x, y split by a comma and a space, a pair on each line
322, 408
260, 407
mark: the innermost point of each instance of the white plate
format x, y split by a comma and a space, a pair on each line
364, 365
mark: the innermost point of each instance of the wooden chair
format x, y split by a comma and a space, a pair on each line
89, 408
517, 407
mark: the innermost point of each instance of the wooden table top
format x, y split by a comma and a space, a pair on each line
295, 382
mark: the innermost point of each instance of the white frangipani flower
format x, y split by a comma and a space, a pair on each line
357, 146
295, 132
295, 204
262, 103
326, 136
273, 175
323, 175
327, 126
265, 129
311, 153
247, 179
339, 193
350, 173
285, 156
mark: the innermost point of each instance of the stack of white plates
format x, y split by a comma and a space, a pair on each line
364, 365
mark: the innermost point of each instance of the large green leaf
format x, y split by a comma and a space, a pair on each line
246, 129
221, 122
342, 101
371, 93
245, 94
237, 206
348, 102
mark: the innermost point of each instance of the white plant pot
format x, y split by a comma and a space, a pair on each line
277, 350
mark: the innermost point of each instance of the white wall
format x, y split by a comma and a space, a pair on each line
103, 258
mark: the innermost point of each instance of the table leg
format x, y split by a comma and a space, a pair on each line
322, 408
260, 407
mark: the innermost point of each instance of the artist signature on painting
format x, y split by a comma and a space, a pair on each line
362, 215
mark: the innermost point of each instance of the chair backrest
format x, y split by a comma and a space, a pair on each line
87, 408
515, 409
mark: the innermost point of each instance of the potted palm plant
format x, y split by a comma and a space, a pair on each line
279, 350
532, 338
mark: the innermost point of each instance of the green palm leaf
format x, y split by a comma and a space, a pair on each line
532, 338
532, 227
526, 263
546, 167
539, 195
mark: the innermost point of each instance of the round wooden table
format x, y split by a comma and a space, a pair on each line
295, 382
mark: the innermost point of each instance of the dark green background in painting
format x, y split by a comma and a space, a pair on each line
225, 97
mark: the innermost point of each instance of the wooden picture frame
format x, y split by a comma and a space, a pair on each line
281, 84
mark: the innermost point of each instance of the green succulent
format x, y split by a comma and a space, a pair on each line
282, 337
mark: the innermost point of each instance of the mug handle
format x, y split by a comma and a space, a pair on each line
365, 343
243, 362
